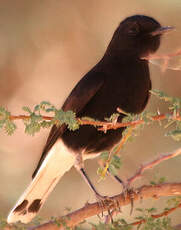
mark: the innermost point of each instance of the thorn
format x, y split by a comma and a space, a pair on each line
158, 111
87, 204
121, 111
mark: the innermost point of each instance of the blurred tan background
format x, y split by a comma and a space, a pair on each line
45, 48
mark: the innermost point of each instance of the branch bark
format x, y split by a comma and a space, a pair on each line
103, 124
142, 193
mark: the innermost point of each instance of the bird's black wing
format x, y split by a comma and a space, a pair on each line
82, 93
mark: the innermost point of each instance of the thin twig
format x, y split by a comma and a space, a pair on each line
165, 213
124, 139
104, 124
163, 56
153, 163
26, 117
166, 58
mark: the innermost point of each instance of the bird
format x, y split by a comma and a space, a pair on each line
121, 78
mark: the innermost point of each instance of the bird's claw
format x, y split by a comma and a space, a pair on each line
103, 200
107, 203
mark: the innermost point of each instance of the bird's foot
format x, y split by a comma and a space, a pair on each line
106, 203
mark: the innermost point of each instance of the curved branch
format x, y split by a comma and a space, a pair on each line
144, 192
153, 163
165, 213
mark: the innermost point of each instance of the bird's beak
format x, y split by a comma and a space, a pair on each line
162, 30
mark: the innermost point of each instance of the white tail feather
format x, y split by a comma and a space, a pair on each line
59, 160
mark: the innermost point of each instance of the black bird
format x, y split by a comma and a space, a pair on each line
120, 79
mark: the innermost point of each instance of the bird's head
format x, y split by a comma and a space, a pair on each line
138, 34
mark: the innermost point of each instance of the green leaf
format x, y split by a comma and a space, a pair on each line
173, 202
113, 170
32, 128
174, 101
157, 180
27, 109
35, 118
67, 117
99, 226
104, 155
162, 180
4, 114
151, 210
70, 120
46, 106
50, 110
33, 125
2, 122
36, 108
139, 209
175, 134
9, 127
46, 124
116, 161
113, 117
45, 103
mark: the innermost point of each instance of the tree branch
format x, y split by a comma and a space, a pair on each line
166, 58
153, 163
165, 213
103, 124
144, 192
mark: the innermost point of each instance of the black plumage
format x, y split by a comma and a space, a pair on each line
120, 79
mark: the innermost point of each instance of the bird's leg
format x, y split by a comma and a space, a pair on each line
88, 181
80, 168
104, 201
117, 179
127, 191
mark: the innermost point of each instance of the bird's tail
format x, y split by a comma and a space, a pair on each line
58, 160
